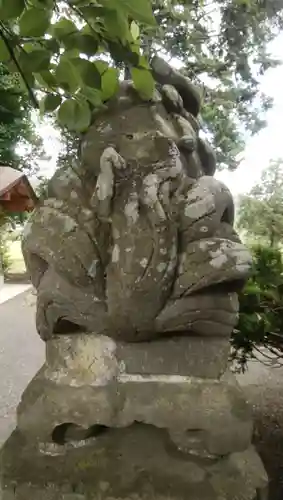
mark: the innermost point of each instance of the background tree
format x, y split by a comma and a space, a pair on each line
16, 125
222, 45
69, 147
259, 333
20, 146
260, 213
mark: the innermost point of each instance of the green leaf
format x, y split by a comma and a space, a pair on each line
135, 30
143, 82
92, 95
46, 79
50, 102
30, 46
102, 66
11, 67
52, 44
143, 63
29, 78
87, 44
243, 2
116, 24
79, 3
63, 28
35, 61
109, 83
71, 53
4, 53
49, 4
83, 43
122, 54
67, 74
96, 12
139, 10
75, 115
10, 9
88, 72
34, 22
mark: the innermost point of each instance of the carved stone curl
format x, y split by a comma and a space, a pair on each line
136, 240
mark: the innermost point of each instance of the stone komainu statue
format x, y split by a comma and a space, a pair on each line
137, 267
136, 241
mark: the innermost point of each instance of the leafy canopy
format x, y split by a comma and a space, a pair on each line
72, 51
16, 126
261, 211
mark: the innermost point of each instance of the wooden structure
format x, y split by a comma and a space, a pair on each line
16, 192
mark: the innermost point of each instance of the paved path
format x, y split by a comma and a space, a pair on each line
22, 354
264, 390
11, 290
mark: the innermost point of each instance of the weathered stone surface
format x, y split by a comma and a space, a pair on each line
90, 360
205, 314
98, 359
130, 464
87, 407
191, 356
190, 94
137, 224
207, 157
91, 381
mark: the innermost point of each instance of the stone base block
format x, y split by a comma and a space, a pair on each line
135, 463
93, 381
103, 357
215, 410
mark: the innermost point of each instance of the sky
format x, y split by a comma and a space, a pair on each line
260, 149
268, 143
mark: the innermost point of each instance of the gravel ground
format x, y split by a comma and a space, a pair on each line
22, 354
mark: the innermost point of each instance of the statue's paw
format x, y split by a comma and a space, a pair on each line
205, 206
211, 262
65, 308
214, 314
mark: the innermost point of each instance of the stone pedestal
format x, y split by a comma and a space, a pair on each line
109, 420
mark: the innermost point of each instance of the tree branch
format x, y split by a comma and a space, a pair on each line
14, 59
